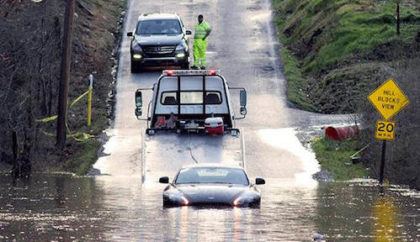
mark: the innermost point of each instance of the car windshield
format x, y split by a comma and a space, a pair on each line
159, 27
212, 175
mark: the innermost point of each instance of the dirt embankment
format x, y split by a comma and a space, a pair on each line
30, 56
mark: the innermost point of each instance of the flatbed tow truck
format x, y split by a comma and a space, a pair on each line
190, 119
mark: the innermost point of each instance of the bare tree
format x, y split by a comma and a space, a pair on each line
30, 36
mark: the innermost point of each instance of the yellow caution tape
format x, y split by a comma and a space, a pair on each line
54, 117
47, 134
77, 135
78, 99
47, 119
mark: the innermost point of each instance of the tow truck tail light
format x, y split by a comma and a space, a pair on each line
211, 72
169, 73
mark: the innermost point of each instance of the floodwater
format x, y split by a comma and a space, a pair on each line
105, 208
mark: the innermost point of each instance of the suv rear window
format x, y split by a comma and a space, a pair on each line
159, 27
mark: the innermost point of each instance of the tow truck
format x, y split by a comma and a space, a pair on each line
190, 118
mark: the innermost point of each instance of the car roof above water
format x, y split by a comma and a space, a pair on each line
154, 16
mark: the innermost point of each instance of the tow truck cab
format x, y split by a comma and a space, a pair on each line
191, 100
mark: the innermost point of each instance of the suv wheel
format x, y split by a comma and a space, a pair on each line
185, 66
134, 67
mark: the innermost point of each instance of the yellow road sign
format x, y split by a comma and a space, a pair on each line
385, 130
388, 99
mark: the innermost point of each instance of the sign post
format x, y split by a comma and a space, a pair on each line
388, 99
90, 89
382, 167
384, 131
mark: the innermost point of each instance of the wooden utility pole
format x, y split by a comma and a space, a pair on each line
398, 17
65, 74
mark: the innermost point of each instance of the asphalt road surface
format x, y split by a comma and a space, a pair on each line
243, 48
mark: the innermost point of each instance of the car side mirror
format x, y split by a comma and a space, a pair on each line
139, 103
242, 96
188, 32
259, 181
164, 179
242, 100
130, 34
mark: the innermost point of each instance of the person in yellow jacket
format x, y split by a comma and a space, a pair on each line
202, 31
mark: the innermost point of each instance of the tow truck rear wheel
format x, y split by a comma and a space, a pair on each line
150, 132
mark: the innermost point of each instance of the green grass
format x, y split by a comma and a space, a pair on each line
320, 36
333, 156
347, 27
84, 157
296, 84
354, 33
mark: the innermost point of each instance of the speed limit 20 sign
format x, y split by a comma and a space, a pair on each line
385, 130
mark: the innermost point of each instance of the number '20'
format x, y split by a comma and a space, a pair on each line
388, 127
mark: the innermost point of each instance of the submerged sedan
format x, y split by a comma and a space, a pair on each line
210, 184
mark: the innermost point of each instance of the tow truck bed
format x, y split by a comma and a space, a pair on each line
165, 153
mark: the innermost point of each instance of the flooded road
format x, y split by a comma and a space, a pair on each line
117, 206
59, 207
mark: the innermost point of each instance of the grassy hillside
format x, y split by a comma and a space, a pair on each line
335, 52
333, 49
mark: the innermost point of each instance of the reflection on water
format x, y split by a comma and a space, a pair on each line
384, 213
56, 207
359, 211
51, 207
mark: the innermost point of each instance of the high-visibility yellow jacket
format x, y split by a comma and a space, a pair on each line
201, 30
